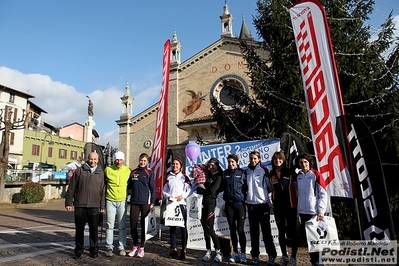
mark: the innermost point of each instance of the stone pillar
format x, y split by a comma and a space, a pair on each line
89, 129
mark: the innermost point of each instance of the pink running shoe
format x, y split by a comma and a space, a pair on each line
133, 253
140, 254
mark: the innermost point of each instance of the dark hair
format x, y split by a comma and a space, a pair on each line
216, 162
144, 155
280, 155
305, 156
234, 157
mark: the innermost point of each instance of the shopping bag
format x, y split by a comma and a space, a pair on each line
194, 205
150, 225
322, 234
173, 215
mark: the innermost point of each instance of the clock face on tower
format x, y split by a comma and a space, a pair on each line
220, 90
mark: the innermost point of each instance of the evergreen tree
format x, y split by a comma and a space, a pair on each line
368, 74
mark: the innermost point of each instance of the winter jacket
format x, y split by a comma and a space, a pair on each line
176, 185
234, 186
283, 190
212, 185
258, 185
312, 196
141, 186
86, 189
116, 181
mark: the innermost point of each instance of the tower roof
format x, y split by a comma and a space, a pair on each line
244, 33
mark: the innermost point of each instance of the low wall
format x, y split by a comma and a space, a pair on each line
53, 190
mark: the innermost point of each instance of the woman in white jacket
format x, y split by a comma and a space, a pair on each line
312, 195
177, 188
258, 207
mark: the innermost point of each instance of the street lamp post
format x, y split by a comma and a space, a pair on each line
51, 142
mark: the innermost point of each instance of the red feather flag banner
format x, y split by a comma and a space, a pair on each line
158, 155
322, 93
346, 153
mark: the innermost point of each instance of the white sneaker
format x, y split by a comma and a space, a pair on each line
207, 256
218, 257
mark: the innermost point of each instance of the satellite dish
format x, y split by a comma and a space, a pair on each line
71, 136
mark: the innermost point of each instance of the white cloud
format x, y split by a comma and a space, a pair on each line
145, 99
396, 22
111, 137
64, 105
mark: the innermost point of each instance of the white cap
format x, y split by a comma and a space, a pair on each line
119, 156
205, 162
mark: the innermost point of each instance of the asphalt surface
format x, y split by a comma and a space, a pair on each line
43, 234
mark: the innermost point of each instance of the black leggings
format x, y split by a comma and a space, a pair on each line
135, 211
259, 214
235, 215
286, 221
208, 221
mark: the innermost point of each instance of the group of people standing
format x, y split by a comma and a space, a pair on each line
93, 190
253, 191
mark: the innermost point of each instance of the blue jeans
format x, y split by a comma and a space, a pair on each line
183, 231
116, 208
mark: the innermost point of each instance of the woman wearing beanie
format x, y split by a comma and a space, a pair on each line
234, 193
210, 192
258, 202
177, 188
141, 188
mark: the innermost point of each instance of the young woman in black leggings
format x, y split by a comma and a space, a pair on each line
212, 185
234, 193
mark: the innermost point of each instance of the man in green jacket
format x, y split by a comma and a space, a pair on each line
116, 178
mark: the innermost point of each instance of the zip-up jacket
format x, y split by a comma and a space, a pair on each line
234, 186
86, 189
116, 180
258, 185
212, 185
312, 196
176, 185
141, 186
283, 190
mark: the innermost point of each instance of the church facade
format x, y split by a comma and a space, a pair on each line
193, 84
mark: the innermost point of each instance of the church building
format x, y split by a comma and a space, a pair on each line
193, 84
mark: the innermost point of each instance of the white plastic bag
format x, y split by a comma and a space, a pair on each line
173, 215
194, 205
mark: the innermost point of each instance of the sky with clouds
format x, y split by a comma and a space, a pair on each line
61, 51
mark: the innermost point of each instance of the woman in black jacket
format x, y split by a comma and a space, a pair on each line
141, 188
234, 193
212, 185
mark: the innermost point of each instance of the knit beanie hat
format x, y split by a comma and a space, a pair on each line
233, 156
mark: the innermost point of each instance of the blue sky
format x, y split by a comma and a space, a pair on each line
61, 51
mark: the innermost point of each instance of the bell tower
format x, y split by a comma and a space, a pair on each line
227, 21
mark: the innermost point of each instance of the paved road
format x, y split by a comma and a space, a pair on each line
43, 234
